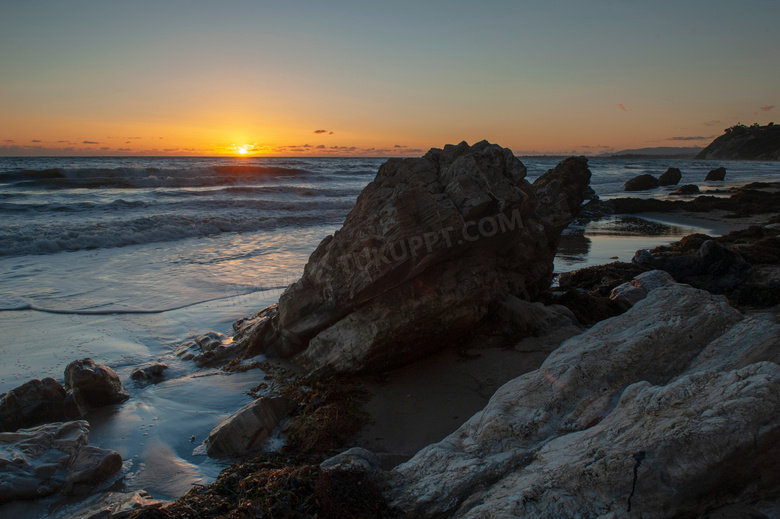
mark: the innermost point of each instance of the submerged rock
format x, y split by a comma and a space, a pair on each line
93, 385
152, 372
430, 247
671, 177
641, 183
671, 409
688, 189
243, 432
40, 461
34, 403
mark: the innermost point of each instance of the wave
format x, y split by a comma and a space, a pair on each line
149, 229
25, 306
64, 178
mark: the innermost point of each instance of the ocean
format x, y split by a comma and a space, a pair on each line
122, 259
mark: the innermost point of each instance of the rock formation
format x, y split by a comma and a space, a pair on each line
431, 246
671, 177
670, 409
40, 461
641, 183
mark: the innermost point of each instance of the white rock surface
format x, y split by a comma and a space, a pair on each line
681, 377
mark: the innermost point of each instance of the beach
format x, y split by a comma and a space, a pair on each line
103, 281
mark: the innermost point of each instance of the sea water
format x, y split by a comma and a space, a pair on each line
122, 259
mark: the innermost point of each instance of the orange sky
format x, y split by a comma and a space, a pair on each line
205, 78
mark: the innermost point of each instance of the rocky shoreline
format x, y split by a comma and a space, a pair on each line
637, 389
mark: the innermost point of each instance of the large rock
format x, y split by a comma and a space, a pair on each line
671, 177
243, 432
561, 440
430, 247
34, 403
40, 461
641, 183
93, 385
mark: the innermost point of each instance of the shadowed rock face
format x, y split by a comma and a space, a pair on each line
430, 247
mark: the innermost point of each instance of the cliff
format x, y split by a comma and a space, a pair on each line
741, 142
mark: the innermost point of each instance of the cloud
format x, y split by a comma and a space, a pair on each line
322, 131
596, 147
331, 133
124, 149
399, 146
321, 147
170, 150
697, 138
35, 140
712, 123
622, 107
105, 148
61, 142
90, 142
9, 141
766, 108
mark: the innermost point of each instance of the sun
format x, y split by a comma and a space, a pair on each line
242, 151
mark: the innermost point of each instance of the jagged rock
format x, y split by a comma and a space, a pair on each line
688, 189
34, 403
671, 177
152, 372
716, 174
357, 459
208, 348
641, 183
742, 142
93, 385
526, 319
430, 246
40, 461
243, 432
635, 290
672, 405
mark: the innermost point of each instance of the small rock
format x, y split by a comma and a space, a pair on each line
93, 385
243, 432
688, 189
716, 174
641, 183
149, 372
671, 177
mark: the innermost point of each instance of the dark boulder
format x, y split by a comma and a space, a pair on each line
641, 183
33, 403
93, 385
671, 177
152, 372
716, 175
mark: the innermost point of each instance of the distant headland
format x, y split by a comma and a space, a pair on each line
742, 142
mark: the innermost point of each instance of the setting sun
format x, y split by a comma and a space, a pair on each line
242, 151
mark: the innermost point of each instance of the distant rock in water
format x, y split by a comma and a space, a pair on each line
741, 142
93, 385
431, 246
717, 175
688, 189
641, 183
671, 177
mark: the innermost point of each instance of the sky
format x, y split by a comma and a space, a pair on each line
371, 78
